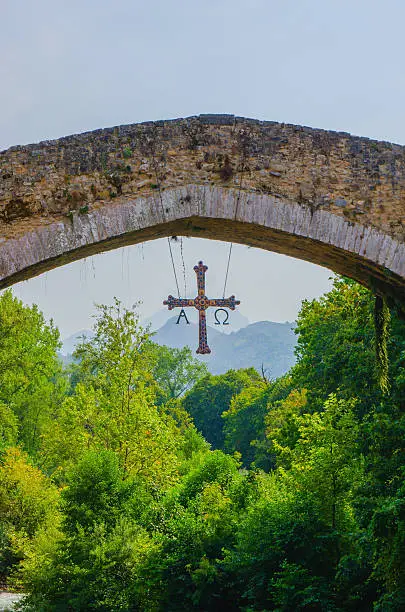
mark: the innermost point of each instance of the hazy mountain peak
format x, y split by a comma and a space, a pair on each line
264, 344
69, 344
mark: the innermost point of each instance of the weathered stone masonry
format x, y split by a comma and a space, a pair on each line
326, 197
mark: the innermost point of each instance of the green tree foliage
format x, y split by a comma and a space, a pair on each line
325, 462
28, 504
245, 421
29, 369
149, 518
388, 530
176, 370
335, 347
8, 427
95, 492
92, 565
290, 545
282, 421
281, 532
198, 518
211, 397
113, 406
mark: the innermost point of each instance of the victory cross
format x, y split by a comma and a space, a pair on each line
201, 303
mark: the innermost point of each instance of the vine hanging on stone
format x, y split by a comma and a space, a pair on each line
382, 319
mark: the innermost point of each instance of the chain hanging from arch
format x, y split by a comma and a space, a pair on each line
243, 143
174, 267
149, 145
149, 142
184, 266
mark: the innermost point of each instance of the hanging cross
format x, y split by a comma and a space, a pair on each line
201, 302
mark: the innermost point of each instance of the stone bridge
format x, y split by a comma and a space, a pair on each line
330, 198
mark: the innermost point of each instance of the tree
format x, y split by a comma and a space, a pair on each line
325, 461
94, 564
282, 420
256, 406
151, 519
244, 421
335, 348
176, 370
96, 492
8, 427
28, 503
388, 530
280, 538
30, 372
197, 519
113, 407
211, 397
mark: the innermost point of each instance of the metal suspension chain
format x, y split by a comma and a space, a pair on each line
163, 211
174, 267
236, 214
184, 266
227, 269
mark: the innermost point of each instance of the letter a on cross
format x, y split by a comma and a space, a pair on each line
182, 315
201, 303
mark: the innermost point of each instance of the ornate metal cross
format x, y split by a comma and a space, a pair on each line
201, 302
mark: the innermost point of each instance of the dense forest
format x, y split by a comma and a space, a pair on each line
135, 480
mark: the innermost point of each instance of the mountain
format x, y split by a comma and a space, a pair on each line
69, 344
265, 344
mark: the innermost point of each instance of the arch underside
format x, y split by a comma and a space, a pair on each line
368, 256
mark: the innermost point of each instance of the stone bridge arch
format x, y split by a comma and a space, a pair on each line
330, 198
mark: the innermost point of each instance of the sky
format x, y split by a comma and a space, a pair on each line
69, 67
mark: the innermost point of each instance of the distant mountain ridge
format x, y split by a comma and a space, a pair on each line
69, 344
264, 344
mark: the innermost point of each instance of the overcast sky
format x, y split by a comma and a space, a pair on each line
70, 66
